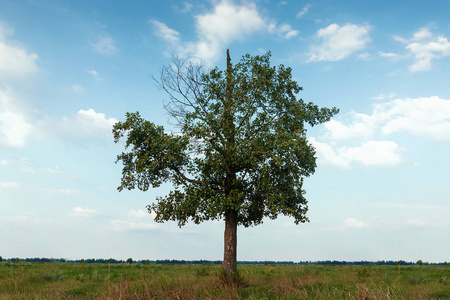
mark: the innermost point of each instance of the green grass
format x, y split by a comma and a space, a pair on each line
99, 281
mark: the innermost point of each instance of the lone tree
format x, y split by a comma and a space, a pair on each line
241, 154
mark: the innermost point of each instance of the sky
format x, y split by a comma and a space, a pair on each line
69, 70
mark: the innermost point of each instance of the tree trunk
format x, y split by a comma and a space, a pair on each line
229, 263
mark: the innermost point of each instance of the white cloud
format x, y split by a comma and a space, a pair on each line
261, 51
287, 32
387, 54
83, 212
14, 60
28, 168
65, 192
105, 46
400, 39
364, 55
374, 153
425, 47
423, 33
168, 34
94, 74
17, 219
93, 124
140, 213
224, 25
86, 124
339, 42
284, 30
417, 222
361, 126
9, 185
303, 11
3, 162
218, 28
392, 95
5, 31
327, 156
425, 117
53, 171
409, 207
384, 97
371, 153
24, 218
119, 225
354, 223
186, 7
14, 129
77, 88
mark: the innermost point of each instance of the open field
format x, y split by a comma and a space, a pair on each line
137, 281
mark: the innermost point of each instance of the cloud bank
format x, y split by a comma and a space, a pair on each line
427, 117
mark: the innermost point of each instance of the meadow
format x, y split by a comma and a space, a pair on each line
140, 281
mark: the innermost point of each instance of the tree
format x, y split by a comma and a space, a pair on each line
129, 261
242, 153
1, 259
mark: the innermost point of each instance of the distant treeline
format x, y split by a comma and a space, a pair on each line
218, 262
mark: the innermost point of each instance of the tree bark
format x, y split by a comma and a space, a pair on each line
229, 263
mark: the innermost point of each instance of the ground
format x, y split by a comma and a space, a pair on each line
139, 281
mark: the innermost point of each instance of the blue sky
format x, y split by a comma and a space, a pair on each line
70, 69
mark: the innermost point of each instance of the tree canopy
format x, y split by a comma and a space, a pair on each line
242, 151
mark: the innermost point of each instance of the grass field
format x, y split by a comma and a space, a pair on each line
137, 281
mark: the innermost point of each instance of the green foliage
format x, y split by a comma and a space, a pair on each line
1, 259
242, 148
129, 261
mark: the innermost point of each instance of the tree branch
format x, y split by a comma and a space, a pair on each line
175, 168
